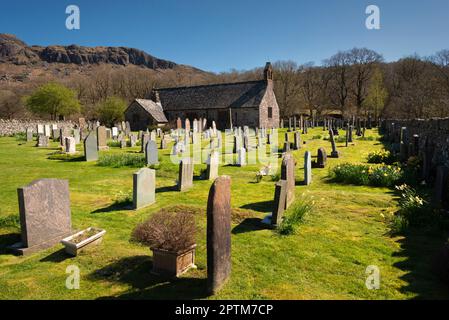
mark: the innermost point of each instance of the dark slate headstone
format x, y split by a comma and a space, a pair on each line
151, 153
297, 141
321, 158
335, 153
144, 188
219, 234
280, 198
90, 147
45, 216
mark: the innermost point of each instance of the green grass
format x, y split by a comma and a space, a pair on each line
326, 259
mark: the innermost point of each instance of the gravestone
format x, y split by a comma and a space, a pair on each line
187, 125
212, 166
56, 134
178, 123
335, 153
123, 143
76, 135
133, 140
29, 134
307, 168
127, 128
144, 140
321, 158
241, 157
219, 234
114, 132
90, 147
280, 198
185, 178
288, 174
42, 141
45, 218
47, 131
151, 153
101, 138
163, 143
40, 129
144, 188
70, 145
297, 141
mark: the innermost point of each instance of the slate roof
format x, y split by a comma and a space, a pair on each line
247, 94
153, 108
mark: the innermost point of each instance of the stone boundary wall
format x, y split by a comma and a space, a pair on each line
428, 139
12, 127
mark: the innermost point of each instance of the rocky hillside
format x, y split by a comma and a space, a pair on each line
15, 51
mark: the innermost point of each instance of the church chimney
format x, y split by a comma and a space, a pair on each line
268, 72
155, 96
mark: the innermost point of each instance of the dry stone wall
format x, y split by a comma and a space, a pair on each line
12, 127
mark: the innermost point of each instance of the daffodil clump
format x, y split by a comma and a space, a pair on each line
367, 175
412, 209
380, 157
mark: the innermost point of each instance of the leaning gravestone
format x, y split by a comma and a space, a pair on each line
45, 217
90, 147
144, 188
335, 153
219, 234
280, 197
288, 174
151, 153
185, 178
307, 168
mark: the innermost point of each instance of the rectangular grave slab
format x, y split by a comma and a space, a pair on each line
45, 216
185, 178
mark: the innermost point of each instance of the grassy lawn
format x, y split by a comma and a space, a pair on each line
326, 259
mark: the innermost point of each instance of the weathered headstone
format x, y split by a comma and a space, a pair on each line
45, 217
144, 188
144, 140
335, 153
288, 174
280, 198
70, 145
47, 130
297, 141
321, 158
307, 168
29, 134
42, 141
178, 123
101, 138
90, 147
219, 234
185, 178
241, 157
212, 166
151, 153
40, 129
76, 135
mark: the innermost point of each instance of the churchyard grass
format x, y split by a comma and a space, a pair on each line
326, 258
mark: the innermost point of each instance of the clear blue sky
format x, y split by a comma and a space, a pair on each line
242, 34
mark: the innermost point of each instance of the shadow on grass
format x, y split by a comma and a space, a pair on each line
116, 206
58, 256
421, 252
7, 240
249, 225
136, 272
264, 206
66, 157
167, 189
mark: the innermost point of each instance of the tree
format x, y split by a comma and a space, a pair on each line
377, 94
363, 62
287, 86
339, 67
10, 104
53, 99
111, 110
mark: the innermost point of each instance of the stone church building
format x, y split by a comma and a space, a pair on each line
249, 103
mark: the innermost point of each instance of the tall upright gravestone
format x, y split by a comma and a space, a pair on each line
219, 234
144, 188
45, 216
288, 174
185, 179
101, 138
280, 197
151, 153
307, 168
90, 147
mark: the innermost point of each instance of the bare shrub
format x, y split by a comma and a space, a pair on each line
171, 231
